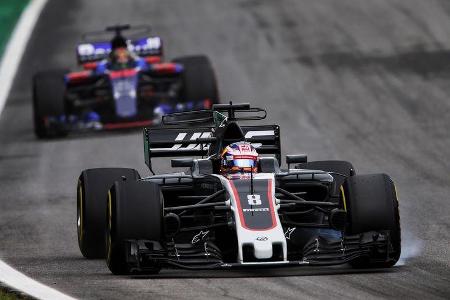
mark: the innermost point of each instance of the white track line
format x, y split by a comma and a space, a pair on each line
19, 281
8, 67
16, 47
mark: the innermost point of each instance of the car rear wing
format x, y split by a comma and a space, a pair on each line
95, 51
189, 142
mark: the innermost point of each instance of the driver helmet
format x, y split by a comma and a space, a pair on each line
121, 55
239, 157
119, 51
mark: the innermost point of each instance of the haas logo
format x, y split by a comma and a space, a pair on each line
245, 148
254, 199
195, 146
193, 136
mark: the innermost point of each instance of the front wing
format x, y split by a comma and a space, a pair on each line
142, 255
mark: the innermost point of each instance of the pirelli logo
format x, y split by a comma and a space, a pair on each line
255, 209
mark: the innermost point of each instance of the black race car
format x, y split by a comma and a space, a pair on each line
312, 213
124, 84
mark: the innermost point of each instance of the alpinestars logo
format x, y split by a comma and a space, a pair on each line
288, 232
199, 237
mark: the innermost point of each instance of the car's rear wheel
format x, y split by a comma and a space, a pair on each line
92, 191
199, 80
134, 212
372, 205
48, 104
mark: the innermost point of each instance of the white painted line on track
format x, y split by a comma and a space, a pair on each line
16, 47
8, 68
31, 287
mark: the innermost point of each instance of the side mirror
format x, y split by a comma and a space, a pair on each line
181, 162
296, 159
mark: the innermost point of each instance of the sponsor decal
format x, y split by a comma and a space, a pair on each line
262, 238
245, 148
152, 43
255, 209
288, 232
101, 49
207, 186
183, 136
243, 176
199, 237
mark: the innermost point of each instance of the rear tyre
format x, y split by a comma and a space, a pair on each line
133, 212
372, 205
48, 104
92, 190
199, 80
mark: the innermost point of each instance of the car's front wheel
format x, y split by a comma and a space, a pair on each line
134, 212
372, 205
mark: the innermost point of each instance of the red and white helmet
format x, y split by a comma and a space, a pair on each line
239, 157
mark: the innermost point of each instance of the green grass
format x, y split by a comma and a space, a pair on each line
7, 296
10, 11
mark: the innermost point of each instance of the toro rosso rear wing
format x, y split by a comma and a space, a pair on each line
92, 52
189, 142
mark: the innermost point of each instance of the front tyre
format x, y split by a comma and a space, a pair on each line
133, 212
372, 205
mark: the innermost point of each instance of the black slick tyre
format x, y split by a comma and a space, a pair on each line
92, 191
199, 80
133, 212
372, 205
48, 102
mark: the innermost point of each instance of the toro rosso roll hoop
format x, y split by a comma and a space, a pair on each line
252, 214
124, 84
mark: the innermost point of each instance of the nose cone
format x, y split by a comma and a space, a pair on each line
263, 248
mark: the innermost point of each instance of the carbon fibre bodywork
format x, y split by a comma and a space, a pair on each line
274, 217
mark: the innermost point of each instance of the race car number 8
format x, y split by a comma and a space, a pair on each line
254, 199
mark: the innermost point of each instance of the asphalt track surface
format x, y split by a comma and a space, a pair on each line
364, 81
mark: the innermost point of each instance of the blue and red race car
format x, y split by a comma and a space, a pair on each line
124, 83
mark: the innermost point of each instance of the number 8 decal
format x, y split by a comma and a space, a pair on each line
254, 199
